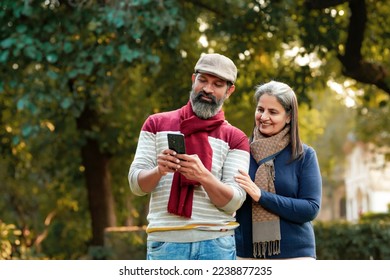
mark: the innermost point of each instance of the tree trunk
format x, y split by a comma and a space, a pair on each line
98, 181
354, 65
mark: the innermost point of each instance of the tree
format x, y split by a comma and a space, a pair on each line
355, 65
62, 73
310, 42
76, 87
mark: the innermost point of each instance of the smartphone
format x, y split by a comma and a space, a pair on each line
176, 142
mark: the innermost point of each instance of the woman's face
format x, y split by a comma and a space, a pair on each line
270, 116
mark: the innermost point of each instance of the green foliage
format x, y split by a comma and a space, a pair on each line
74, 60
377, 217
126, 243
8, 236
15, 243
127, 59
372, 122
59, 59
346, 241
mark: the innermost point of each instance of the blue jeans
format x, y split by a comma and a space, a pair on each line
223, 248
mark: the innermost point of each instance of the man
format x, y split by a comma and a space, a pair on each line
193, 196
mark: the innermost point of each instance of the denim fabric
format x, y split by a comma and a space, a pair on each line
223, 248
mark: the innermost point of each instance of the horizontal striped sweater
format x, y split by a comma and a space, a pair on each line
230, 152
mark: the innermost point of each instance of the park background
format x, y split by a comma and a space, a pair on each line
79, 77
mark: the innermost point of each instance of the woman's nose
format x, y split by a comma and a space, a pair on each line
264, 116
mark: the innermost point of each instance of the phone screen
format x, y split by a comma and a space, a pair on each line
176, 142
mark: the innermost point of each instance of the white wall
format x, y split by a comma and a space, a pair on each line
367, 182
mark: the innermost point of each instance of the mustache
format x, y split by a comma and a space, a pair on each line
204, 94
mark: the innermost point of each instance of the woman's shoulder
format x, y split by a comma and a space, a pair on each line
309, 154
308, 149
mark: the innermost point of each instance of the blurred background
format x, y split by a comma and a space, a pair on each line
79, 77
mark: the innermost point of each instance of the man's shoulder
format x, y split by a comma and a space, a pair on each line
232, 129
165, 115
234, 136
162, 121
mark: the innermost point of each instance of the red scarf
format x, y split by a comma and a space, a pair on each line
196, 132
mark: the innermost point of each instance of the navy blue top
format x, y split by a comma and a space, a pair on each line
297, 202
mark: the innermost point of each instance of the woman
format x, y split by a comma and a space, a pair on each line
283, 185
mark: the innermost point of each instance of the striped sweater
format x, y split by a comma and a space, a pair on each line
230, 152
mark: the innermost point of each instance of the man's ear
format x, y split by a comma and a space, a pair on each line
193, 77
231, 89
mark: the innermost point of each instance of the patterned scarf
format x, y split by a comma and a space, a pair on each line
266, 226
195, 132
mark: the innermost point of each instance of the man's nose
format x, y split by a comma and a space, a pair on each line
208, 88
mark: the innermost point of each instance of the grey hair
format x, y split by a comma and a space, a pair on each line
287, 98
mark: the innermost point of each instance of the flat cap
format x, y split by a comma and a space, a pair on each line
217, 65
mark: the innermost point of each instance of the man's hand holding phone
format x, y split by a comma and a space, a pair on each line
168, 162
176, 142
189, 165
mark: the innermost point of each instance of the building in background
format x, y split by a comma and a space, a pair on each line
367, 181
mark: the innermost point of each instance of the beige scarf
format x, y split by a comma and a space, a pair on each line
266, 226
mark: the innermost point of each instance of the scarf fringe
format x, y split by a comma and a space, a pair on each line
267, 248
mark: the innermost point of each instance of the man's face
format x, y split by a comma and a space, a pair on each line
208, 94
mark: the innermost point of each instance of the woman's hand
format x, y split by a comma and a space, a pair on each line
248, 185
